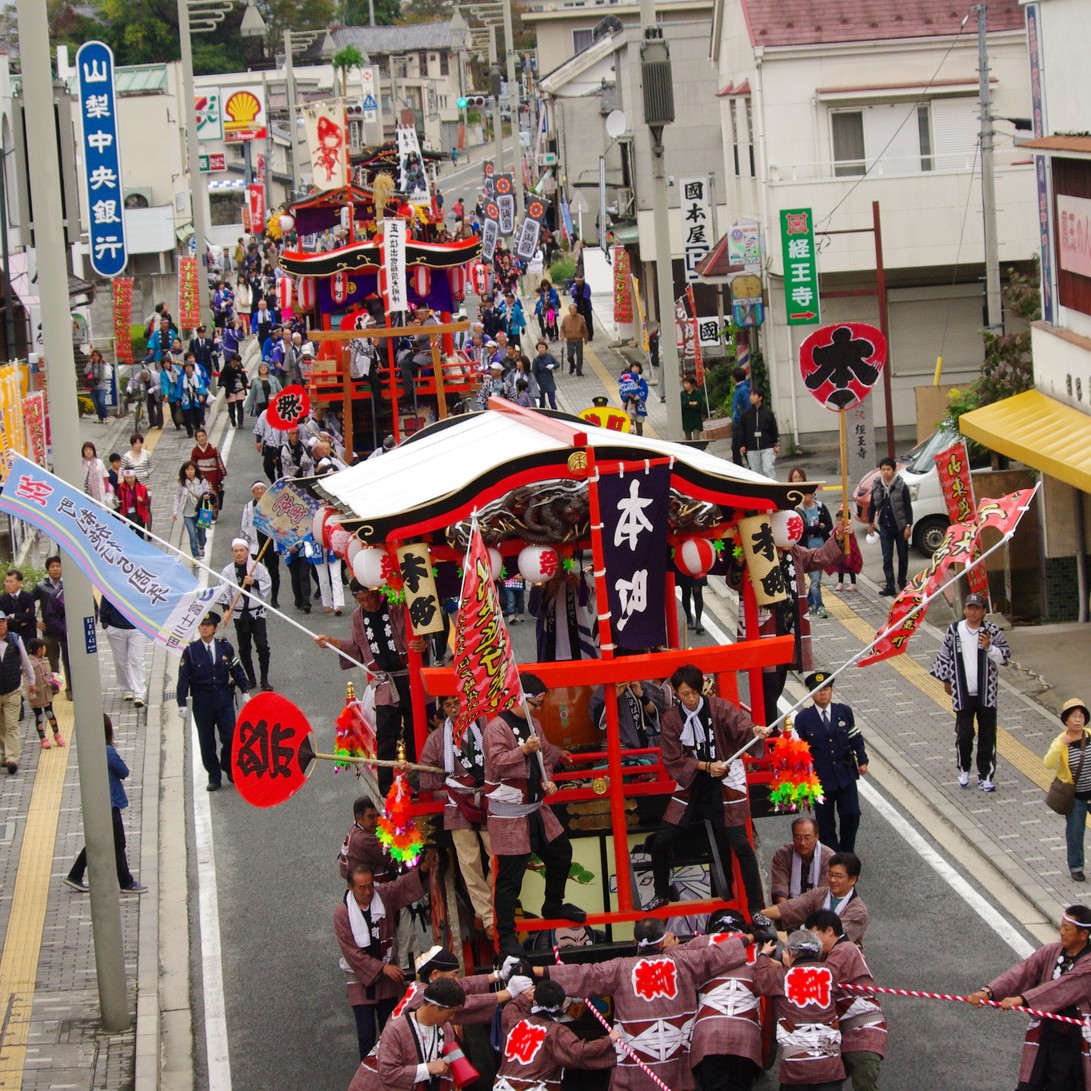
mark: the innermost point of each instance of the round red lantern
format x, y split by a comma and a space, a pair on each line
456, 277
285, 292
787, 528
306, 293
422, 281
479, 277
694, 556
538, 563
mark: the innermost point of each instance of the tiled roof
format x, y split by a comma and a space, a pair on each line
404, 39
812, 22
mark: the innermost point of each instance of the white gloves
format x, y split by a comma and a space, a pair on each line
508, 967
518, 984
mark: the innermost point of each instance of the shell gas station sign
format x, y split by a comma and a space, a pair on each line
244, 114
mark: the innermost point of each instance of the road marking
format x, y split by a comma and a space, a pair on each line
216, 1041
30, 896
217, 1046
1007, 932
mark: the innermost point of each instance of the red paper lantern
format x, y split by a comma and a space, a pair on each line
339, 539
479, 277
456, 277
306, 293
288, 407
318, 523
273, 751
422, 281
285, 292
694, 556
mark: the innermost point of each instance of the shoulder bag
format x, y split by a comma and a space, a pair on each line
1061, 795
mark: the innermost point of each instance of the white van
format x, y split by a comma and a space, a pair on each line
918, 470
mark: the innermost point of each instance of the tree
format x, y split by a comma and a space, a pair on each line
357, 13
427, 11
343, 61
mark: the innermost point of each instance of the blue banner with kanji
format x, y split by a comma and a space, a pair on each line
156, 592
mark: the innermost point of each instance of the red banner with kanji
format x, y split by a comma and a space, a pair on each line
256, 199
123, 318
961, 545
486, 673
698, 359
953, 467
623, 288
36, 415
189, 294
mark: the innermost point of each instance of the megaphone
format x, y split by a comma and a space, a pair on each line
462, 1072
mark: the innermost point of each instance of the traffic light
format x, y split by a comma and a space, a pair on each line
462, 103
473, 100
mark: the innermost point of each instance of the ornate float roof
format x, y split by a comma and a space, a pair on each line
363, 257
444, 473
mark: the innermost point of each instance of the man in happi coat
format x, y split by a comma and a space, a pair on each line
839, 894
380, 642
537, 1048
1056, 978
698, 736
726, 1045
482, 993
411, 1055
519, 764
364, 924
808, 1032
361, 846
461, 787
800, 865
655, 1000
863, 1026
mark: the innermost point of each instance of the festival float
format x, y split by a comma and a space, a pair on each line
597, 521
394, 258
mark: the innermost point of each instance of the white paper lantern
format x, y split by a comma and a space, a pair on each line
369, 565
787, 528
456, 277
339, 287
496, 563
538, 563
694, 556
318, 522
287, 222
351, 550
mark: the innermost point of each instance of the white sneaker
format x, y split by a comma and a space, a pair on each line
126, 696
986, 785
963, 779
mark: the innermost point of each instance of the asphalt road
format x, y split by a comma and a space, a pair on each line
287, 1020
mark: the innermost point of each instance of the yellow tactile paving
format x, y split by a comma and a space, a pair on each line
23, 941
1014, 752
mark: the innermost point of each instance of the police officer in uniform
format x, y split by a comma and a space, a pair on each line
209, 670
840, 758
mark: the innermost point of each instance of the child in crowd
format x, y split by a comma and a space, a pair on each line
849, 564
41, 700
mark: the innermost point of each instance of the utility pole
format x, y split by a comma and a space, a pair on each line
994, 303
494, 91
79, 606
289, 86
655, 70
513, 99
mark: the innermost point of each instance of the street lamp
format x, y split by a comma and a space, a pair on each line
207, 15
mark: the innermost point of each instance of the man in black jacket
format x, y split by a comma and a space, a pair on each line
18, 606
891, 510
760, 436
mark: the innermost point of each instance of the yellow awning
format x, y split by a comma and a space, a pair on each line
1036, 429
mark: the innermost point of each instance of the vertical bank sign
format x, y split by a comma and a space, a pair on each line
101, 159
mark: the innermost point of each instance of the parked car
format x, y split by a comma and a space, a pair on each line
918, 470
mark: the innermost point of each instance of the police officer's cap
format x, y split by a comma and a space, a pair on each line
211, 618
817, 680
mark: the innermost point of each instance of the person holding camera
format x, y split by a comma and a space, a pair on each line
840, 759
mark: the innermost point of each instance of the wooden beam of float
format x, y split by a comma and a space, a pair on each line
379, 332
714, 659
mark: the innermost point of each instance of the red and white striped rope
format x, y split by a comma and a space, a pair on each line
624, 1045
963, 1000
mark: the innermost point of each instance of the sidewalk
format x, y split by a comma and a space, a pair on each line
47, 974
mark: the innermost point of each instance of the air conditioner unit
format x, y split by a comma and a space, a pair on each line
626, 199
356, 135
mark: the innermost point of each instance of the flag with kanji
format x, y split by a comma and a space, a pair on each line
901, 623
1004, 514
486, 673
